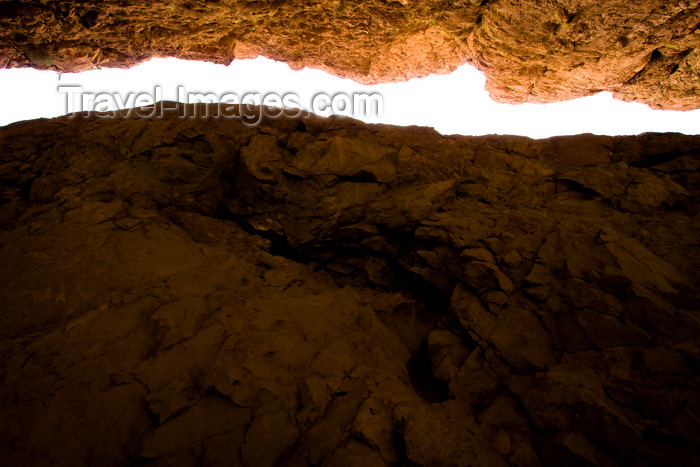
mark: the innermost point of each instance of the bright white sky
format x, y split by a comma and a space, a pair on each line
452, 104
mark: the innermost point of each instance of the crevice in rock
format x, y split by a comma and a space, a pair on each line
279, 246
576, 186
401, 449
428, 387
656, 159
655, 56
89, 19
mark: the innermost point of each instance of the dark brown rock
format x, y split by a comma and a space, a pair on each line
185, 291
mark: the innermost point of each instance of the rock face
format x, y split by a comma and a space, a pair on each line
531, 51
325, 292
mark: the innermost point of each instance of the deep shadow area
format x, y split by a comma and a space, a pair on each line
420, 369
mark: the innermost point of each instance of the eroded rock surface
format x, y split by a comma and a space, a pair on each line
325, 292
531, 51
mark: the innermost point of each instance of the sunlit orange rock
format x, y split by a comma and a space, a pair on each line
530, 51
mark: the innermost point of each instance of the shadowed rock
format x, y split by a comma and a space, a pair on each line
195, 291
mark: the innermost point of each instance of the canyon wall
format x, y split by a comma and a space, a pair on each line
195, 291
530, 51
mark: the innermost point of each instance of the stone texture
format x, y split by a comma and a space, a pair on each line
530, 51
325, 292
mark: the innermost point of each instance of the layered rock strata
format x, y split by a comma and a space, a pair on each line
325, 292
530, 51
